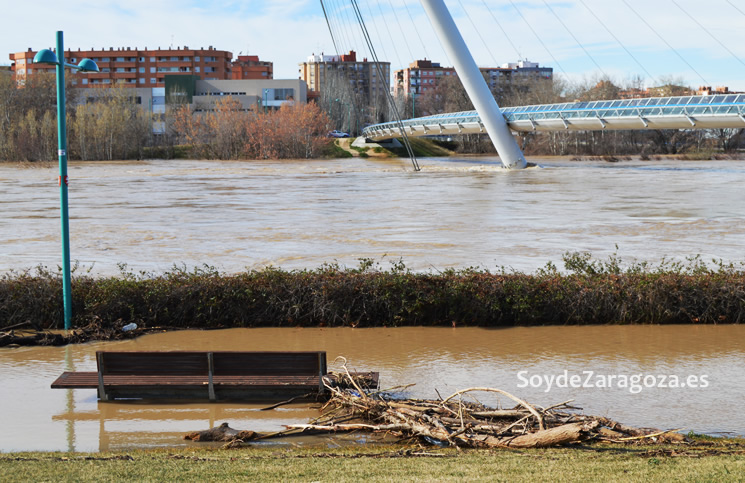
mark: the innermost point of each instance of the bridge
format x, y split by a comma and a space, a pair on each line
684, 112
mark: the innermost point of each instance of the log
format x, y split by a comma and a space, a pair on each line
560, 435
223, 433
504, 393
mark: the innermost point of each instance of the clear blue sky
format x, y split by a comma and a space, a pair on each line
697, 42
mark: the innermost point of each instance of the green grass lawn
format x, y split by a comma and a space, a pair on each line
703, 461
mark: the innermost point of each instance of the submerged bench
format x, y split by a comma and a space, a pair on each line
202, 375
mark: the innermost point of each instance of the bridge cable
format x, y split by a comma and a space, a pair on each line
496, 64
617, 40
411, 56
538, 37
733, 6
374, 55
328, 24
334, 25
344, 20
708, 32
398, 57
575, 39
377, 32
509, 39
424, 47
665, 41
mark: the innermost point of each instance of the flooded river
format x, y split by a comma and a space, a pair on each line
455, 213
33, 416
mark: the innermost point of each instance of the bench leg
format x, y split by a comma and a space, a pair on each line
101, 388
211, 369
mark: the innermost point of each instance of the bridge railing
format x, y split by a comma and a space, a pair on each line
722, 105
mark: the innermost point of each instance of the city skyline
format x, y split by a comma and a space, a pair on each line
661, 40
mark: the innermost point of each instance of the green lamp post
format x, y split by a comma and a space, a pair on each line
46, 56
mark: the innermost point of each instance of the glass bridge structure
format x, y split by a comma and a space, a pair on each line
683, 112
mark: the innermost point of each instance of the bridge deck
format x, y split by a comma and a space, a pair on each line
684, 112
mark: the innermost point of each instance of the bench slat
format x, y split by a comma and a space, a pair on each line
189, 373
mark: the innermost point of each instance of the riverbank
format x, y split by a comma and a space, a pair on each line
710, 460
588, 292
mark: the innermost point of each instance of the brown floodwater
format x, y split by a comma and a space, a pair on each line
456, 213
35, 417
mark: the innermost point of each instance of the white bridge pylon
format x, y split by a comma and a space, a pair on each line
475, 85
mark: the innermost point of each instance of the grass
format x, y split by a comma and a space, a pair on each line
335, 151
706, 462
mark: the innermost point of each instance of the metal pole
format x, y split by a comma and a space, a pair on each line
62, 181
469, 73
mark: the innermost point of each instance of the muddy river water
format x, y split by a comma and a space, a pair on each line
707, 360
455, 213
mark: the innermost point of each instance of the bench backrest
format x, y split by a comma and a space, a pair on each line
269, 363
185, 363
152, 363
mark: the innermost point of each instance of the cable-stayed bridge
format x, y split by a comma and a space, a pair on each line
685, 112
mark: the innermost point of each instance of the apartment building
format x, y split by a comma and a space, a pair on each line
250, 67
202, 95
363, 75
423, 75
133, 67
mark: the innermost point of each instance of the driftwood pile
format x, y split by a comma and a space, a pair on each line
452, 422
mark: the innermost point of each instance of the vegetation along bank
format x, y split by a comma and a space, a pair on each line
587, 292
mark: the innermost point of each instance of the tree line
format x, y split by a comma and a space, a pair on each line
113, 125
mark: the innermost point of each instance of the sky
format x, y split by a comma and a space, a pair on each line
696, 43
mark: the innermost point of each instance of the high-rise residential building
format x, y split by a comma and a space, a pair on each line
133, 67
423, 75
364, 76
250, 67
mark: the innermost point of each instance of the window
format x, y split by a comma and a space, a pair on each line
142, 59
196, 69
174, 59
142, 80
120, 69
196, 59
105, 59
152, 59
152, 80
85, 81
187, 59
152, 70
283, 94
120, 59
142, 70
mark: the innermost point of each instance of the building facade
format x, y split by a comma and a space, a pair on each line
363, 76
202, 95
423, 75
250, 67
133, 67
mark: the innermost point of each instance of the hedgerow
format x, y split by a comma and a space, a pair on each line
588, 291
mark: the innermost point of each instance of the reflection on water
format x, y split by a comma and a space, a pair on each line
301, 214
436, 359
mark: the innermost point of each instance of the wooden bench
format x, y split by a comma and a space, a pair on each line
201, 375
